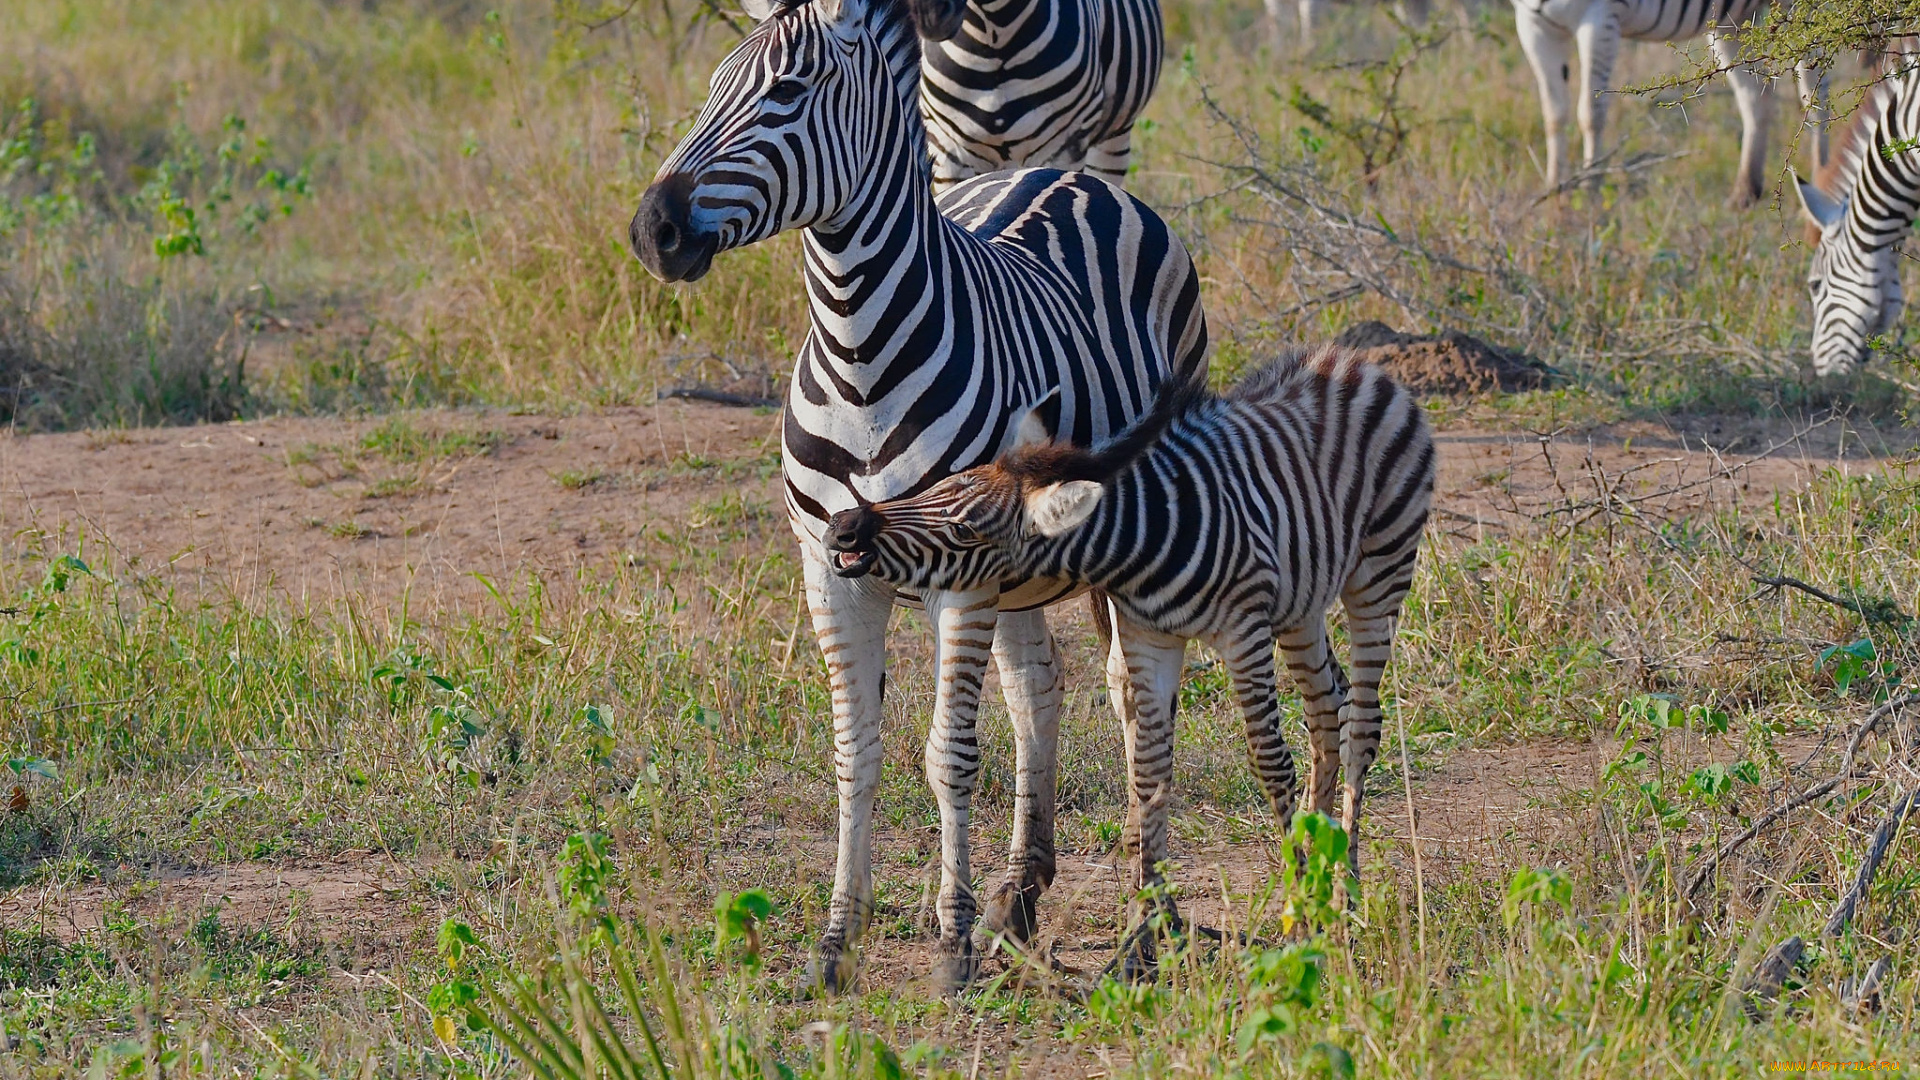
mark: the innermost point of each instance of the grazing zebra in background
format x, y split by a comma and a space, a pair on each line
1549, 28
1040, 83
933, 324
1236, 520
1864, 204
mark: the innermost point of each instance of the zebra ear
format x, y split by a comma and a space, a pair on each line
761, 10
1059, 508
1039, 423
938, 20
1820, 208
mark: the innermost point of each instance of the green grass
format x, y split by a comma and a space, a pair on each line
657, 704
446, 227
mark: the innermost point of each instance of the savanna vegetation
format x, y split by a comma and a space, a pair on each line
601, 802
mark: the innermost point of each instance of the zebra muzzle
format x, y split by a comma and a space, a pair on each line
850, 535
663, 236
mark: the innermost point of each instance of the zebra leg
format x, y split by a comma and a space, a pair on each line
1151, 663
1249, 660
1107, 159
1024, 652
963, 625
1323, 690
1756, 109
1372, 599
1549, 50
850, 621
1599, 38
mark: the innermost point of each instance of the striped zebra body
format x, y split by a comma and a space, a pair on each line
1239, 521
1549, 30
1868, 207
933, 326
1040, 83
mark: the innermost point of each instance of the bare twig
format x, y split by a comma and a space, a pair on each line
1863, 994
1772, 974
1604, 166
1880, 712
1706, 865
1883, 835
1884, 612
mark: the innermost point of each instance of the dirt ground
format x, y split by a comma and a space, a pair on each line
297, 509
300, 511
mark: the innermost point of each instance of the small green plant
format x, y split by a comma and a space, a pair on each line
576, 479
1859, 663
1313, 869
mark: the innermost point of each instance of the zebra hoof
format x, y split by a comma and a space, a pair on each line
956, 968
832, 971
1011, 912
1137, 960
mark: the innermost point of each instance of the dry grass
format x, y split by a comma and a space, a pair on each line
471, 177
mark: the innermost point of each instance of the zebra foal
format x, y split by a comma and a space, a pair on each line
1237, 520
1864, 208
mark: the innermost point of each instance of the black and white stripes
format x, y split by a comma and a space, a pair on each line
1054, 83
933, 325
1855, 277
1239, 521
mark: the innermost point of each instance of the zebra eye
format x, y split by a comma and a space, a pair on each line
964, 532
786, 91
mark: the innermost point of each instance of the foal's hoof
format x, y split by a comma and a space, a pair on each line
956, 967
832, 970
1012, 913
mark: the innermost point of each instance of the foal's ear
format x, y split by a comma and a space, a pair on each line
1059, 508
761, 10
938, 20
1039, 423
1819, 208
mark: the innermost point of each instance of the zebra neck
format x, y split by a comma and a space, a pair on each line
1107, 550
1885, 192
880, 273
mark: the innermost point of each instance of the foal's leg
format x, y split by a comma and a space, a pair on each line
1249, 659
1153, 663
1323, 690
1372, 598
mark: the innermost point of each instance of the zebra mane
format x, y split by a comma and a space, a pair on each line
1852, 144
935, 20
1060, 462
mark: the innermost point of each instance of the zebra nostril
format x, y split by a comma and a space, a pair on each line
666, 237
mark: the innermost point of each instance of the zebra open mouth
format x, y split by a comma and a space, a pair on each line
853, 564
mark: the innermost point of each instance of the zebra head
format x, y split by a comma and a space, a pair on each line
972, 529
1855, 284
805, 122
1000, 521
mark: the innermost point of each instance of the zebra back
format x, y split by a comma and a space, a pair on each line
1040, 83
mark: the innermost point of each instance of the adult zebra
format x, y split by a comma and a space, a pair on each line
1549, 29
1866, 206
1039, 83
933, 325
